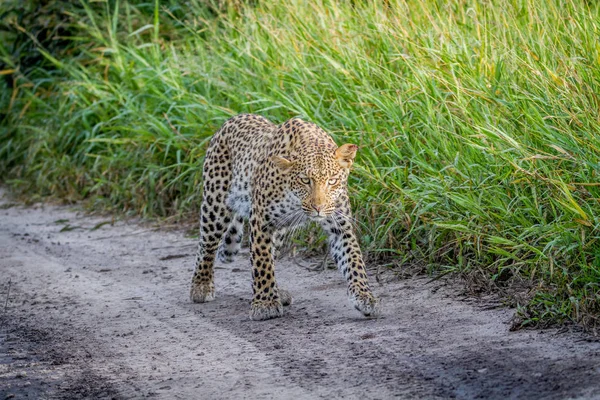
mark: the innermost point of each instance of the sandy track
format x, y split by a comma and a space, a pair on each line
104, 313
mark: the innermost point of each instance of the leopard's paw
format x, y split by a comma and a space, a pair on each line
366, 303
285, 297
202, 292
265, 309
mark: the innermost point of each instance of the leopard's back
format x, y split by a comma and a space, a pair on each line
240, 146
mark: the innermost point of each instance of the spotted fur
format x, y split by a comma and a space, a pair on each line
278, 178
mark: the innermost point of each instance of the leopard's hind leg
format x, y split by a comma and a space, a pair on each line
215, 217
232, 240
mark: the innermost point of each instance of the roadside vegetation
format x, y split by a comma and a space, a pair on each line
478, 122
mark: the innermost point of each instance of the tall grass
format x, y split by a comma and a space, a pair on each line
477, 122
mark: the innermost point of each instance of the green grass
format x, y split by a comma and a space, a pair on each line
477, 122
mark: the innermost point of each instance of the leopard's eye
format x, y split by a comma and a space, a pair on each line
305, 180
333, 181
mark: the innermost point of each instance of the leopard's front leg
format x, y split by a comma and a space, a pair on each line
348, 257
266, 301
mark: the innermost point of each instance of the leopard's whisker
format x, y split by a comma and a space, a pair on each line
351, 220
296, 224
285, 219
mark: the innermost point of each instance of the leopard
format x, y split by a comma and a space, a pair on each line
276, 178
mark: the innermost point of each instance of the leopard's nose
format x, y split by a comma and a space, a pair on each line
318, 208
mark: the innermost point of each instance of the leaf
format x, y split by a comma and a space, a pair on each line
142, 29
68, 228
100, 225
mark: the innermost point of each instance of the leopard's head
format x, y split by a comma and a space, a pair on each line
317, 176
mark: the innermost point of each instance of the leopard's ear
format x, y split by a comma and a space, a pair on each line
345, 154
281, 162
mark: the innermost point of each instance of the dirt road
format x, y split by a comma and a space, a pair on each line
101, 311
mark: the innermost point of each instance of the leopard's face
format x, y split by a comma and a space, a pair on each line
318, 177
318, 186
